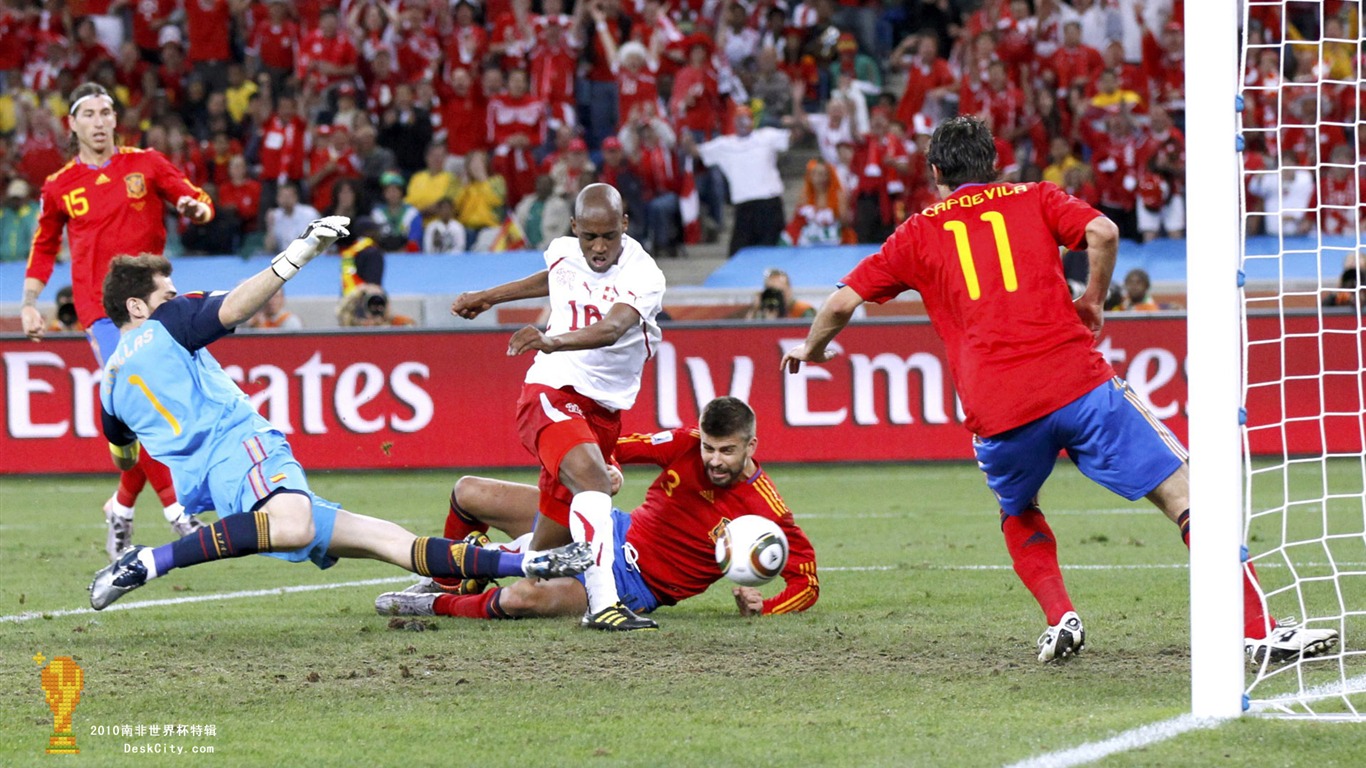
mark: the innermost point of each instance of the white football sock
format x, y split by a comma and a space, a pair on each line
124, 512
173, 511
590, 521
145, 557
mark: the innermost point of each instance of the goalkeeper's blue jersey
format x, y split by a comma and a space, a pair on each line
163, 388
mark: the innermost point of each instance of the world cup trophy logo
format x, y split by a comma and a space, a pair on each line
63, 682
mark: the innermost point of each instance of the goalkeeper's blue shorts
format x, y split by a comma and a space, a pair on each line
631, 586
1108, 433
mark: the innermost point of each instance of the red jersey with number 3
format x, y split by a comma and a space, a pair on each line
107, 211
985, 261
674, 530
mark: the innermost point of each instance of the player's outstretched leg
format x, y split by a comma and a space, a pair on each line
444, 586
590, 520
1266, 639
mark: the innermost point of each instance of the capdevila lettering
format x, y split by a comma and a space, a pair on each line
968, 201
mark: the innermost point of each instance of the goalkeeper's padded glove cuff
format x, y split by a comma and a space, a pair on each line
125, 452
288, 262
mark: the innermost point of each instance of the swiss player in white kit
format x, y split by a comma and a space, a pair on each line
605, 295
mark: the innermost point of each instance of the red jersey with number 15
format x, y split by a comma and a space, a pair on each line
108, 211
674, 530
985, 261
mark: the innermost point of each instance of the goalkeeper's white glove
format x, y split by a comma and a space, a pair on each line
319, 236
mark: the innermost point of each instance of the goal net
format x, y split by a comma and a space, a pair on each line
1303, 410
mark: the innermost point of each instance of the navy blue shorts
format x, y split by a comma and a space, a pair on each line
1108, 433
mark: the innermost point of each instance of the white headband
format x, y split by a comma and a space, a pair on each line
77, 104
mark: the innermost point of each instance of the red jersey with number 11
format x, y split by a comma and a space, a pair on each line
674, 530
109, 210
985, 261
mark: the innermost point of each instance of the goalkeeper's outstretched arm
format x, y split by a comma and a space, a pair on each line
246, 299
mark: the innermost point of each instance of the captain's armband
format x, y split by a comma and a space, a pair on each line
124, 454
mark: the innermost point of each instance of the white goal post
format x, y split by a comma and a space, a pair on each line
1277, 409
1213, 357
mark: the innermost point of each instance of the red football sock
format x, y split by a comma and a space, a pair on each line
460, 523
130, 484
483, 606
1254, 609
1030, 543
160, 478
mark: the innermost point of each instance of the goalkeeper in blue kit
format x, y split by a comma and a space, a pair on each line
163, 391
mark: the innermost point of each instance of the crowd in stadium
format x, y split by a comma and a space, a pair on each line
456, 125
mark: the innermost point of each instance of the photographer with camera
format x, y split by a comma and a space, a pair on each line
64, 319
367, 306
776, 299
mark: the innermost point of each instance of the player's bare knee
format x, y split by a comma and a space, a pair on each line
467, 491
519, 599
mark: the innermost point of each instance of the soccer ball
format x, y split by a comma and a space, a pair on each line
751, 550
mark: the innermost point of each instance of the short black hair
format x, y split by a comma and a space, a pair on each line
131, 277
726, 416
964, 152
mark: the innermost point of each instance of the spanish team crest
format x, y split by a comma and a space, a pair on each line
136, 184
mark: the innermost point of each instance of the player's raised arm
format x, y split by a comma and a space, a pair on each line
247, 299
1102, 244
834, 314
604, 333
472, 304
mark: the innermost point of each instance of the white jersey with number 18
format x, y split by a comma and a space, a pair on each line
580, 297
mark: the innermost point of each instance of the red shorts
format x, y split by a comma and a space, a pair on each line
550, 422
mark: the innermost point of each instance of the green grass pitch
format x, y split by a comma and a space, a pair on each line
920, 651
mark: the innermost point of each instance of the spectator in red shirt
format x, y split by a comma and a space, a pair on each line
274, 42
1165, 62
513, 35
332, 158
174, 69
326, 56
928, 78
696, 99
128, 71
1341, 195
208, 25
282, 150
418, 51
600, 21
372, 27
464, 114
239, 197
1115, 162
516, 126
87, 50
637, 91
149, 16
1075, 62
467, 42
553, 63
998, 102
875, 159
